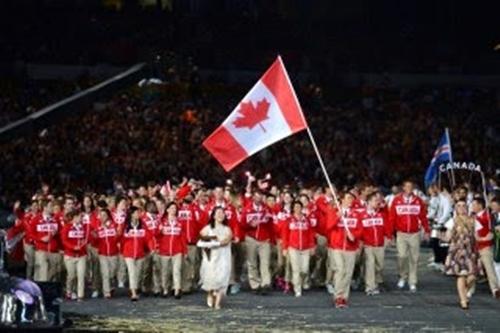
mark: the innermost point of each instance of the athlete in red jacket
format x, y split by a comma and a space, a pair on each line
344, 233
107, 238
407, 215
298, 243
376, 229
257, 222
135, 243
75, 236
45, 231
484, 243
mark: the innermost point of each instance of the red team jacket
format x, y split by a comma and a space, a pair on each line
408, 214
107, 239
172, 237
336, 230
257, 222
483, 218
74, 239
42, 226
298, 233
189, 215
135, 243
151, 223
375, 227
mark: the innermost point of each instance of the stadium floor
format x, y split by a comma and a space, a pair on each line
433, 308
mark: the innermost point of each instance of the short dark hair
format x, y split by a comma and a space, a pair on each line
480, 201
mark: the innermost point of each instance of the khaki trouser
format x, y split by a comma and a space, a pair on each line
171, 269
29, 257
151, 273
237, 262
258, 258
343, 262
109, 271
374, 265
408, 246
319, 267
486, 257
331, 269
299, 260
47, 266
191, 269
75, 269
94, 268
134, 269
122, 270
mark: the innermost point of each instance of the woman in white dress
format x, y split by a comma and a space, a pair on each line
215, 271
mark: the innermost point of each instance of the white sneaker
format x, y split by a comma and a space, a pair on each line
470, 292
372, 292
298, 294
401, 283
413, 288
95, 294
330, 288
432, 265
121, 284
74, 297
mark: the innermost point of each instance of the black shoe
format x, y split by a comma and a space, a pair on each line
178, 295
265, 290
256, 291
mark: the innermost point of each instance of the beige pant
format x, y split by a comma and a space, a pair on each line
151, 273
75, 269
343, 262
237, 262
486, 257
191, 269
299, 260
258, 258
374, 265
47, 266
134, 269
29, 257
171, 269
331, 269
109, 271
408, 246
94, 268
122, 270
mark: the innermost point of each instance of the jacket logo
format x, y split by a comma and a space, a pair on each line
171, 230
348, 222
408, 209
46, 227
372, 222
107, 233
136, 233
76, 234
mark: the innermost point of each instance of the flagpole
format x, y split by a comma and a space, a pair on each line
315, 147
323, 168
447, 131
311, 137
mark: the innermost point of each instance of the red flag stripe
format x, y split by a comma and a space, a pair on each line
278, 84
222, 145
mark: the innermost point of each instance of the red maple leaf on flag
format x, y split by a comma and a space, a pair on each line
251, 116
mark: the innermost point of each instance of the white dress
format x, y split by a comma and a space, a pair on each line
216, 271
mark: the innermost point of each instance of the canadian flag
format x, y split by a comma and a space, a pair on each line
268, 113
